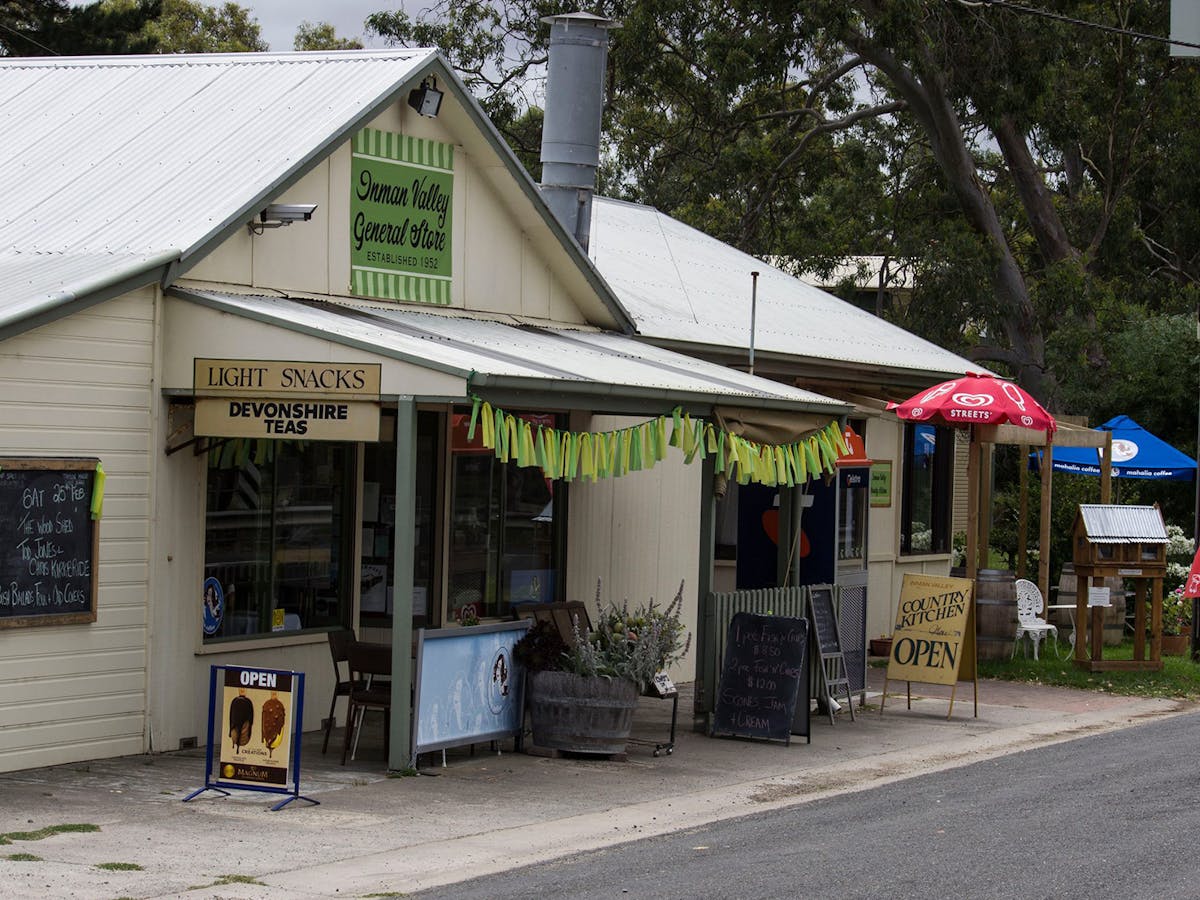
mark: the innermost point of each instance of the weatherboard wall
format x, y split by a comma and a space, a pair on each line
83, 387
505, 260
639, 535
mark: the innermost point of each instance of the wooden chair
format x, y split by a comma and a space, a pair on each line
371, 688
339, 646
561, 615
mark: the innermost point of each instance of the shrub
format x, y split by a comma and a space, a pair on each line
541, 649
1177, 612
631, 643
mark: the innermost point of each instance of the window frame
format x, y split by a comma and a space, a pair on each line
941, 491
343, 513
496, 608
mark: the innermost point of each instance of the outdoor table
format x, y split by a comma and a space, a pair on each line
1071, 607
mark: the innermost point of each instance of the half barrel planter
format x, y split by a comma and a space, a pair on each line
1176, 644
581, 713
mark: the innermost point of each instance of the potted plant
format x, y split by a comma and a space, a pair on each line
466, 615
1176, 622
881, 646
582, 689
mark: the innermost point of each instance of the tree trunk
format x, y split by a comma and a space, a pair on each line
927, 97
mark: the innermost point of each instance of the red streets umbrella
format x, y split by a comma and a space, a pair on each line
976, 399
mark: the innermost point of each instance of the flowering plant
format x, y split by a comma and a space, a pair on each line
1177, 612
630, 643
1180, 549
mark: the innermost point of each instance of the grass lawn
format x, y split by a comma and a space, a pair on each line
1180, 677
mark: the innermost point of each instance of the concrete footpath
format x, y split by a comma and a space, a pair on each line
373, 835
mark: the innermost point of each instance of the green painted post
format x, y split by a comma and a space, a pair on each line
400, 738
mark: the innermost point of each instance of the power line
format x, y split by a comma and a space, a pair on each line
1058, 17
31, 40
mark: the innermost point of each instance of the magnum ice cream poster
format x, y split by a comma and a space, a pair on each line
256, 727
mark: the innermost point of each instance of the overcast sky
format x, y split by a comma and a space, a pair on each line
279, 19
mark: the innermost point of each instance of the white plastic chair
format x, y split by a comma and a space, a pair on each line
1030, 605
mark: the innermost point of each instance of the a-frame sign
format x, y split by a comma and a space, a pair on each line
934, 638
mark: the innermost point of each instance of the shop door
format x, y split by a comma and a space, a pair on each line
852, 505
818, 545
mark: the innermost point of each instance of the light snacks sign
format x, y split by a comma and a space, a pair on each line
271, 399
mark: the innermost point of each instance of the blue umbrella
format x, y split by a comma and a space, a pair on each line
1136, 453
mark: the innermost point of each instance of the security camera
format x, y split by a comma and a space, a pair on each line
288, 212
277, 215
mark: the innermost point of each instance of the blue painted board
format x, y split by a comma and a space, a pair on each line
468, 687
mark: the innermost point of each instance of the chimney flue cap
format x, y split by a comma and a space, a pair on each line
581, 18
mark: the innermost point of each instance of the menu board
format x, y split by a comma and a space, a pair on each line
764, 669
820, 605
48, 541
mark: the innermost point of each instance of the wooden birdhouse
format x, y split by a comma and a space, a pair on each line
1128, 542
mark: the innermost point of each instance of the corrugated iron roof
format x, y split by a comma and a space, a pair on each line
679, 284
1112, 524
494, 354
109, 162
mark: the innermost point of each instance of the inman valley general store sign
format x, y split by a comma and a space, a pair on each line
401, 199
271, 399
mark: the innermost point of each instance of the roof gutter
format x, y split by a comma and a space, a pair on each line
810, 367
86, 294
509, 388
697, 401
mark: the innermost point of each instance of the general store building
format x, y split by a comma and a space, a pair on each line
290, 416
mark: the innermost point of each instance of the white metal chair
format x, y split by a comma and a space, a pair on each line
1030, 606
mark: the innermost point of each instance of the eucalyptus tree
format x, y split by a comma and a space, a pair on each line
322, 36
59, 28
1023, 165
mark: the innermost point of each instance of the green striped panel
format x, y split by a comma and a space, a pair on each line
405, 148
404, 288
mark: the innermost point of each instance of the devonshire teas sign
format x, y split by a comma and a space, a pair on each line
269, 399
401, 204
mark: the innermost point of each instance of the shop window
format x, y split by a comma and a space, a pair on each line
379, 523
506, 528
926, 489
277, 537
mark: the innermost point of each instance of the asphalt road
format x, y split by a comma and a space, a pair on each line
1114, 815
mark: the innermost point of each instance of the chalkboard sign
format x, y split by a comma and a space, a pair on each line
764, 669
820, 606
48, 542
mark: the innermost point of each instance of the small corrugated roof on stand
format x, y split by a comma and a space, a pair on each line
1114, 524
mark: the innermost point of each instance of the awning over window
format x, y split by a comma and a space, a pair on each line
516, 364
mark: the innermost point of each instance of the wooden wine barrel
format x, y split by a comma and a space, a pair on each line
996, 606
581, 714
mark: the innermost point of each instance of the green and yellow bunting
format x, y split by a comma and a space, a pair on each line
572, 455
